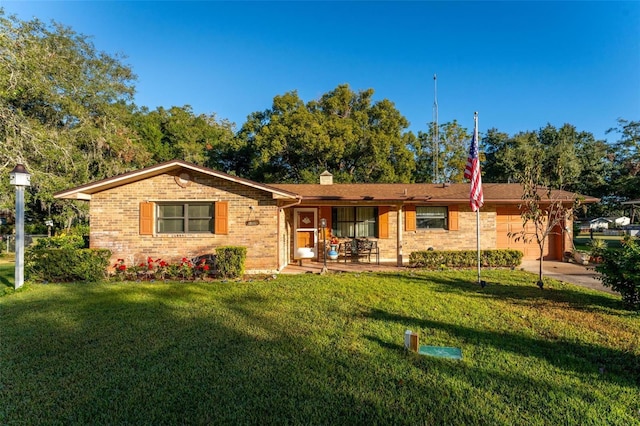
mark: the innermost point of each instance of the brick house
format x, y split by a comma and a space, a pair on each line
177, 209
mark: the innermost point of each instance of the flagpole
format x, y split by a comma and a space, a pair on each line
475, 132
478, 242
473, 172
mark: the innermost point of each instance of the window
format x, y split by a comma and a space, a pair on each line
184, 218
354, 222
431, 217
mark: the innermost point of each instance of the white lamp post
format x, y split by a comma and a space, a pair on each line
20, 178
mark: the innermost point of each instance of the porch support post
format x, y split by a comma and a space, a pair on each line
400, 227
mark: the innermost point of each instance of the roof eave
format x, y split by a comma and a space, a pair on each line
84, 192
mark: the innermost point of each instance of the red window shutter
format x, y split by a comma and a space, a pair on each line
221, 209
383, 222
410, 217
453, 218
146, 218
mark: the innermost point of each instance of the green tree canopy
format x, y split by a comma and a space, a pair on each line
178, 132
625, 181
345, 132
62, 108
452, 152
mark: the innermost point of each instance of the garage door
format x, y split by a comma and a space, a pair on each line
508, 220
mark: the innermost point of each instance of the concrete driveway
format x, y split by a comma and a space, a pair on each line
584, 276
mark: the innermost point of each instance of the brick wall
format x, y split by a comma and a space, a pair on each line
465, 238
115, 221
462, 239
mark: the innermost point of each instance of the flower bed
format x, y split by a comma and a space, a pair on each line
158, 269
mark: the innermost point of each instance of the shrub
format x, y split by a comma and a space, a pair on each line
230, 261
620, 270
433, 259
60, 241
81, 230
66, 264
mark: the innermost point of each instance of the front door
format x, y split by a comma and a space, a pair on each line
306, 238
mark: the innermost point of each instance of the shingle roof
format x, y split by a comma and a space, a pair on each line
502, 193
84, 192
417, 192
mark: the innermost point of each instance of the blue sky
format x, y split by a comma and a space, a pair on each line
521, 65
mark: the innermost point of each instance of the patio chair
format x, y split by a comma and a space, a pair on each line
357, 248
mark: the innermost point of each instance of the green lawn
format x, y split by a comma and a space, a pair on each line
310, 349
581, 242
7, 272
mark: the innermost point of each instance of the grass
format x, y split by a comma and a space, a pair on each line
581, 242
310, 349
7, 272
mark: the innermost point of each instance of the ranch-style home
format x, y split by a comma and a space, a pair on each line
177, 209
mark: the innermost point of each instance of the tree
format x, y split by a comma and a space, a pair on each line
626, 159
286, 143
543, 208
454, 141
358, 140
453, 147
570, 159
560, 163
178, 132
506, 157
422, 150
500, 164
61, 99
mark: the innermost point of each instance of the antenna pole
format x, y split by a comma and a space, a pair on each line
436, 146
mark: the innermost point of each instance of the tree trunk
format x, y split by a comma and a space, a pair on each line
540, 282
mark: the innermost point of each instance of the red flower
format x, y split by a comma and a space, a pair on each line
163, 263
122, 267
149, 260
205, 267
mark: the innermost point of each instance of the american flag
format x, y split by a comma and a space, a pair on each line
473, 173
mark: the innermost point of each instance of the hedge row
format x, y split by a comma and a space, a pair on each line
432, 259
63, 259
66, 264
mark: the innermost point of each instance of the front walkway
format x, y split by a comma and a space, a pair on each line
572, 273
